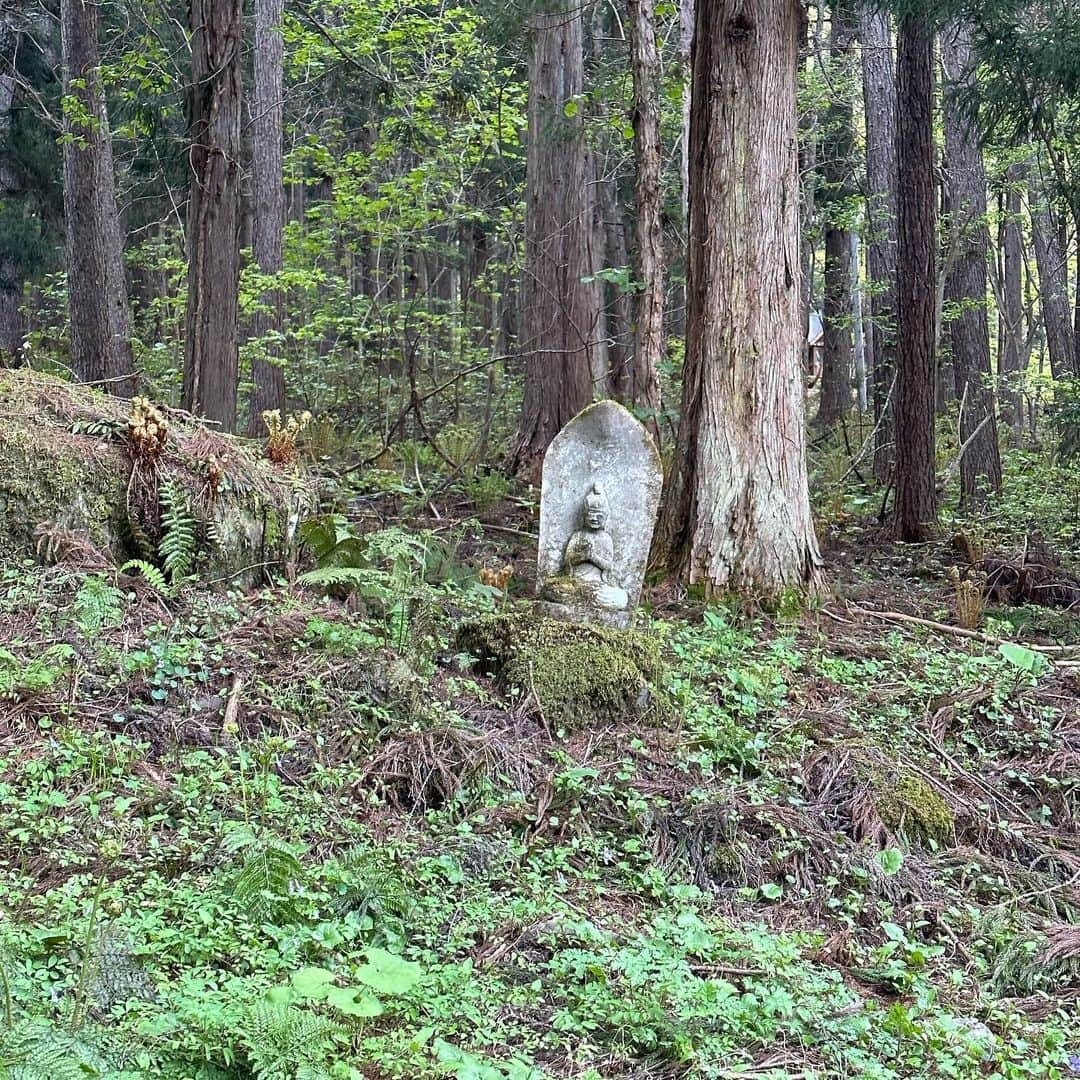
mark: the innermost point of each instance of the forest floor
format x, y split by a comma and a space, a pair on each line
292, 835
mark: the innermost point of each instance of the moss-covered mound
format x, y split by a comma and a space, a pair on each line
68, 471
577, 675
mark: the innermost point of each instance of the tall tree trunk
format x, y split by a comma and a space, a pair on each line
686, 45
966, 283
1053, 266
97, 289
837, 168
879, 95
916, 492
11, 274
617, 302
858, 334
1011, 346
559, 311
736, 513
210, 346
268, 227
649, 331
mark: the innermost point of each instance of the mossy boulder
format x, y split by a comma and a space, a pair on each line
579, 675
907, 803
66, 469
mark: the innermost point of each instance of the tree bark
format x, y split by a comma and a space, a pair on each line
966, 282
1053, 266
837, 170
879, 95
97, 289
1012, 313
559, 312
858, 335
268, 189
11, 273
210, 347
916, 493
649, 329
736, 513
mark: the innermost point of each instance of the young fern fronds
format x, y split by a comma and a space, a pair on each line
178, 533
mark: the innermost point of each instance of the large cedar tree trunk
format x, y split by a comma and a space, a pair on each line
916, 493
559, 312
1053, 266
879, 96
966, 283
268, 190
210, 347
736, 513
837, 150
97, 290
648, 202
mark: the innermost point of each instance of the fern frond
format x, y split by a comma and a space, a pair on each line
36, 1050
178, 532
155, 578
371, 883
354, 577
265, 880
282, 1040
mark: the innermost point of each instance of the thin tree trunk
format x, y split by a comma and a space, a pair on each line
11, 273
837, 169
97, 289
966, 284
858, 335
649, 331
808, 175
268, 226
916, 493
1053, 267
736, 513
559, 311
1012, 313
879, 95
686, 44
210, 347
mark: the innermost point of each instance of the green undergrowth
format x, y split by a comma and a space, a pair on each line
280, 836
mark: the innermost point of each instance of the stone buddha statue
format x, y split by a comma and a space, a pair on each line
590, 555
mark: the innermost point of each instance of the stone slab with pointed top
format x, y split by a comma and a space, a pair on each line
598, 503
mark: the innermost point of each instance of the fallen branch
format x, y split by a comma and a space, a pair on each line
959, 631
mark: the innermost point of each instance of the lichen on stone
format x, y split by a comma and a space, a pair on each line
579, 675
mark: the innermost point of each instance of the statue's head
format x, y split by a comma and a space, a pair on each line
596, 509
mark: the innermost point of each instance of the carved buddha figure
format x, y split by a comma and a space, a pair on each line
590, 554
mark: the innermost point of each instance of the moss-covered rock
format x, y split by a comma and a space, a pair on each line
66, 467
907, 803
579, 675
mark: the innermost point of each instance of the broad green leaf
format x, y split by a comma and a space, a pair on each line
771, 891
312, 983
353, 1002
890, 860
386, 973
1025, 659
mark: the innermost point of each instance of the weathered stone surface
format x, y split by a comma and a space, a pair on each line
598, 504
